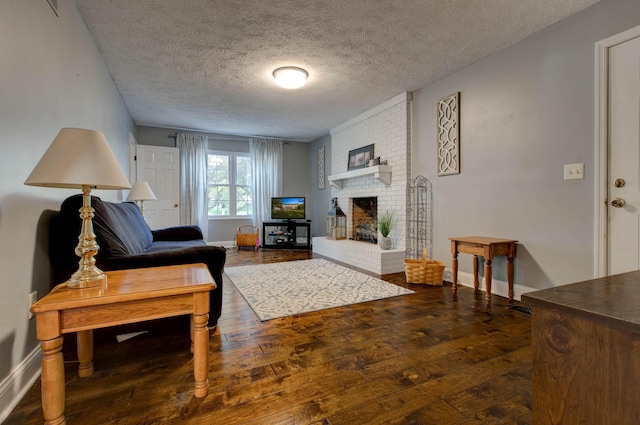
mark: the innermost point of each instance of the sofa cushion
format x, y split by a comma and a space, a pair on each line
167, 245
177, 233
120, 228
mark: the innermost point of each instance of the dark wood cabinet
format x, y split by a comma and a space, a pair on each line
586, 352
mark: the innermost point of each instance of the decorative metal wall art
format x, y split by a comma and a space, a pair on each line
321, 168
448, 118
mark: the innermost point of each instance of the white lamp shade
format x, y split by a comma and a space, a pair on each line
290, 77
78, 157
141, 191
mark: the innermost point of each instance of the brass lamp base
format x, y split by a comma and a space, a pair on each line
87, 275
87, 279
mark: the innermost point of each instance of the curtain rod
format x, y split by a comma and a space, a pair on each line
286, 142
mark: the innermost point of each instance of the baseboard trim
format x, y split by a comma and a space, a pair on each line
19, 381
498, 287
226, 244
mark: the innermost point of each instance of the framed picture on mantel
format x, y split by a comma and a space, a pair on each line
359, 158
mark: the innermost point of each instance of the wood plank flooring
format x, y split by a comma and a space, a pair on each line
415, 359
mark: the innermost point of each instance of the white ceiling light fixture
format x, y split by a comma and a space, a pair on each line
290, 77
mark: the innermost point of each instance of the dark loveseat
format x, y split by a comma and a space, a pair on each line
126, 242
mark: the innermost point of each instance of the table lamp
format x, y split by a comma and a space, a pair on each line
80, 158
141, 191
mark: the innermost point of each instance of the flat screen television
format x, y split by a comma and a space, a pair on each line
287, 208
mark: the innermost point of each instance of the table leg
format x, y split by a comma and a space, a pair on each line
454, 272
476, 284
85, 353
192, 332
200, 354
52, 382
510, 277
488, 272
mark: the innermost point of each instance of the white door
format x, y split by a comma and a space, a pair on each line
160, 167
624, 157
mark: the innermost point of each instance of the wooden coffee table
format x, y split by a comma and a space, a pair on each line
488, 248
130, 296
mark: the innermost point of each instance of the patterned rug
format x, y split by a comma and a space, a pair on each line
296, 287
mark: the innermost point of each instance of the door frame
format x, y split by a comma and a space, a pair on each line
601, 131
133, 172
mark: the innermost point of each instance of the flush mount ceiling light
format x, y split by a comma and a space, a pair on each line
290, 77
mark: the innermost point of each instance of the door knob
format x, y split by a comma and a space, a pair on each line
176, 205
617, 203
618, 182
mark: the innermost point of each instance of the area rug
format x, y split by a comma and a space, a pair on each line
296, 287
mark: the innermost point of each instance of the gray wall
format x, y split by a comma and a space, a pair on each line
525, 112
159, 136
155, 136
295, 165
51, 77
321, 198
295, 172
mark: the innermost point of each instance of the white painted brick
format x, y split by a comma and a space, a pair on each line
390, 131
365, 256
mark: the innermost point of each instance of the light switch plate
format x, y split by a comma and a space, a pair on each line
574, 171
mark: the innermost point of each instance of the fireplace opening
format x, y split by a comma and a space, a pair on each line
364, 212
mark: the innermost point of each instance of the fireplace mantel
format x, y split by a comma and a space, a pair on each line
380, 172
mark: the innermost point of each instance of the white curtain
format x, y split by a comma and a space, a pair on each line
193, 180
266, 174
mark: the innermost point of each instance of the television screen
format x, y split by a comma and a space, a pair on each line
287, 208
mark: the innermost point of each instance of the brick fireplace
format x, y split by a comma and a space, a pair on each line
388, 128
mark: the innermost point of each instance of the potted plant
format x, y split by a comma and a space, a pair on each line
386, 222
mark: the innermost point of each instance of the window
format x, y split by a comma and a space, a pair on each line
229, 184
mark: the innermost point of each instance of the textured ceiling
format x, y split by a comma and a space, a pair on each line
206, 64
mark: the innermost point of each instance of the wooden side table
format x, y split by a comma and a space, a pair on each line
488, 248
130, 296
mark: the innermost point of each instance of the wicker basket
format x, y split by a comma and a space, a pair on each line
424, 271
244, 239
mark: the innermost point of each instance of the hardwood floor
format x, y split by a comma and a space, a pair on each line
415, 359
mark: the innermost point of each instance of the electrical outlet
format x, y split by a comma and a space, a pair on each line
33, 297
574, 171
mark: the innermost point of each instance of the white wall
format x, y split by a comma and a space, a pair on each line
51, 76
525, 112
